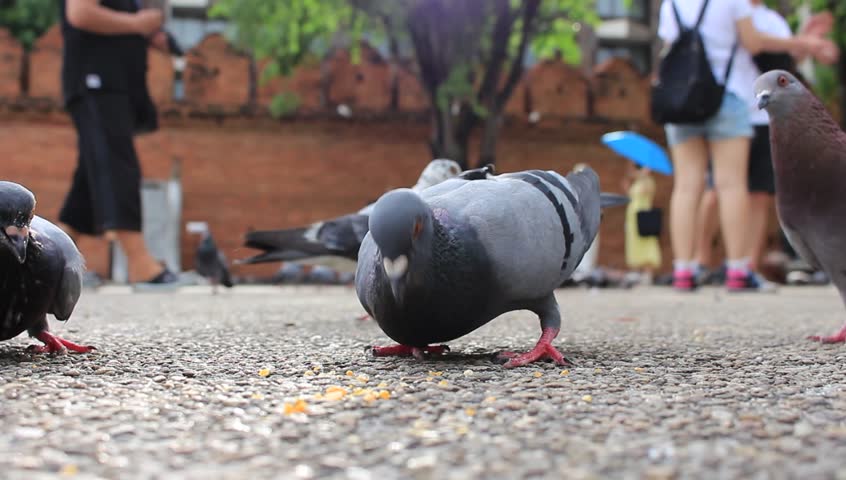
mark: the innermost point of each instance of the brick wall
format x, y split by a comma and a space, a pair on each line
242, 169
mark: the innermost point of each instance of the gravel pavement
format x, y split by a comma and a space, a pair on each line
264, 382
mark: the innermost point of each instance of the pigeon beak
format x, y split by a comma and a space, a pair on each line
763, 99
18, 238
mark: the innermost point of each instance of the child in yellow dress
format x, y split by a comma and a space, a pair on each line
642, 253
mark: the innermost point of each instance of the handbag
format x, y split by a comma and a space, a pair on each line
649, 222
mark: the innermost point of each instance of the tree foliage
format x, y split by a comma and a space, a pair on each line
467, 54
27, 20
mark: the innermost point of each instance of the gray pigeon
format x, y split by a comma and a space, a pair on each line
211, 263
809, 161
40, 272
338, 237
441, 263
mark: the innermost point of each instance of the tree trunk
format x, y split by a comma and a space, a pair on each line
24, 78
490, 133
449, 139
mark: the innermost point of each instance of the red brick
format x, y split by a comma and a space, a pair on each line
11, 56
557, 90
620, 92
217, 75
304, 82
45, 66
365, 85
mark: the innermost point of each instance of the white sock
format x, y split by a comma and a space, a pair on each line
740, 264
681, 265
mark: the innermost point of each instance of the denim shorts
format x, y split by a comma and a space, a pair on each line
731, 121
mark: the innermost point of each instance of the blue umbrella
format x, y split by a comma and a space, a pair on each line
640, 150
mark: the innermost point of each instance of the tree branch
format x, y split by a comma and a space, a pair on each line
529, 14
499, 51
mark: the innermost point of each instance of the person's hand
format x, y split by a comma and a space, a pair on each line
827, 53
822, 49
148, 21
819, 24
159, 41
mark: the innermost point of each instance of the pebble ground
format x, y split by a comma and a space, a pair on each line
264, 382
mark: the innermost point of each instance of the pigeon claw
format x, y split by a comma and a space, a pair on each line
543, 350
408, 351
839, 337
57, 345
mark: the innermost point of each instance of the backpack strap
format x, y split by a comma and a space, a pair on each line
701, 14
678, 17
698, 19
730, 62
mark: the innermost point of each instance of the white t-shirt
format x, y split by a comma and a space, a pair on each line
718, 30
769, 22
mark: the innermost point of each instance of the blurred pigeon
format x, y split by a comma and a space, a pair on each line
809, 160
341, 236
211, 263
40, 272
441, 263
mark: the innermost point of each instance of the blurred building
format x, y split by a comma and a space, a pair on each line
188, 21
627, 29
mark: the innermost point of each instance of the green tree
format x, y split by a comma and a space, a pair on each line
468, 54
27, 20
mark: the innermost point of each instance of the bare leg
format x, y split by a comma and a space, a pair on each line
550, 318
706, 228
142, 265
730, 160
690, 159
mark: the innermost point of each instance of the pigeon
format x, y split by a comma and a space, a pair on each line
440, 263
338, 237
40, 272
211, 263
809, 161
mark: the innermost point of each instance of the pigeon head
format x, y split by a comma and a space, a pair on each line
779, 92
17, 206
400, 223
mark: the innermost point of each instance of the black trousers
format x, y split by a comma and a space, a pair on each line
106, 190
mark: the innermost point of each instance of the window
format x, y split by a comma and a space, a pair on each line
636, 10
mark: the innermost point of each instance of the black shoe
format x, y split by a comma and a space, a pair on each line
164, 280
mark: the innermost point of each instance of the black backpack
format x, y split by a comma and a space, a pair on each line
686, 90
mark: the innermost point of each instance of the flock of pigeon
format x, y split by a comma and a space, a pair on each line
439, 260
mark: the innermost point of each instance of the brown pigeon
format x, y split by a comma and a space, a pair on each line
809, 159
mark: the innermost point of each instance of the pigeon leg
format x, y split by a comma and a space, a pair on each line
363, 318
550, 318
54, 344
839, 337
406, 351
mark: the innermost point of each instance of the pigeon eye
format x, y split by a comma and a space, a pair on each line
782, 81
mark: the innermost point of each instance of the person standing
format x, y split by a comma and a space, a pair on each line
724, 26
643, 253
104, 69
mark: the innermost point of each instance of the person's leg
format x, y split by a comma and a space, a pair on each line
730, 159
76, 215
690, 157
116, 178
706, 227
